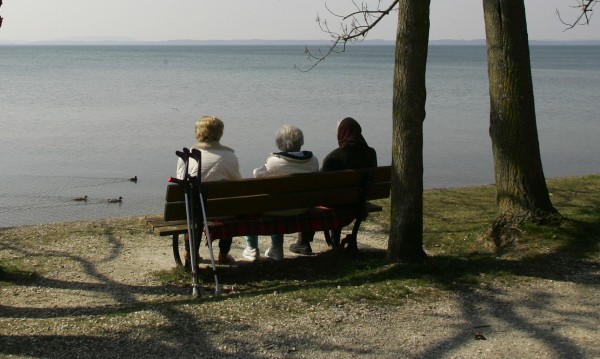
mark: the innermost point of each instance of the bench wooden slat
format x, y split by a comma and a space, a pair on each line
170, 230
280, 201
282, 184
175, 211
159, 222
217, 207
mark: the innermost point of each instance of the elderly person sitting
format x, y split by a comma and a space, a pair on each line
289, 139
352, 152
218, 163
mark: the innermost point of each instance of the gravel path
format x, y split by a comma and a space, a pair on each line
97, 298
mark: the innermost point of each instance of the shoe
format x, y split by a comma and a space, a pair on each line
226, 259
275, 253
251, 253
301, 248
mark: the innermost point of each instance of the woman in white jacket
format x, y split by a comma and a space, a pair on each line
218, 162
291, 159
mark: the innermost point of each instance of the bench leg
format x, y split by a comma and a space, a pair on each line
328, 238
176, 256
350, 242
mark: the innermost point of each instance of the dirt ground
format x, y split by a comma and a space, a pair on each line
96, 297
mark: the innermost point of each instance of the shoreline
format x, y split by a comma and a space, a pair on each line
142, 216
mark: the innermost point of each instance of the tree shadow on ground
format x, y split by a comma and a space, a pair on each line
177, 330
575, 261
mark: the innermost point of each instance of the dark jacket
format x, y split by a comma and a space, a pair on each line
350, 157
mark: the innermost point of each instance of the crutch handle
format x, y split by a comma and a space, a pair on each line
183, 154
175, 180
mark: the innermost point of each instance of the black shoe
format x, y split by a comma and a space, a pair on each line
301, 248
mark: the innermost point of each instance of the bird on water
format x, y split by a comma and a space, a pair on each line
84, 198
133, 179
115, 200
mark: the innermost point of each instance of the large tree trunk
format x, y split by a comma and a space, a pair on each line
522, 195
406, 229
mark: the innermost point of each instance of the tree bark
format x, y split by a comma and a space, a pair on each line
522, 195
406, 223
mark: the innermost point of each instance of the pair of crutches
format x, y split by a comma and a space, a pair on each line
193, 195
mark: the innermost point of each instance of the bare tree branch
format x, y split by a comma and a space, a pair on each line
586, 7
354, 27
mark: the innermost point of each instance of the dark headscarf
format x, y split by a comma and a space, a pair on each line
349, 132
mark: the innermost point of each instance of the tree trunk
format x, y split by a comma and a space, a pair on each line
522, 194
406, 223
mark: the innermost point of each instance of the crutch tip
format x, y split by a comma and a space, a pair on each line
195, 293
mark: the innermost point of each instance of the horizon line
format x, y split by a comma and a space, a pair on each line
130, 41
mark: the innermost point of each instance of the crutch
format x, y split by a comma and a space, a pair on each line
197, 156
184, 155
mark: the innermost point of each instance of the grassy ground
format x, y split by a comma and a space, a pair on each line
454, 220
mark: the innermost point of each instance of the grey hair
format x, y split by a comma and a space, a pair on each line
289, 138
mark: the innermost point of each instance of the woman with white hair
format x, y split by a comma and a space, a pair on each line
289, 140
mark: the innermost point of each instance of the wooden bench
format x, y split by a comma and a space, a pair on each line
234, 208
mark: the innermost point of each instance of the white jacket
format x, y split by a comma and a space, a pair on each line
285, 163
218, 163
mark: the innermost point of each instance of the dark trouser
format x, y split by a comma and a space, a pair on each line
306, 237
336, 235
224, 245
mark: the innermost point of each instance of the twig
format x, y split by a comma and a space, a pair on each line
586, 6
356, 30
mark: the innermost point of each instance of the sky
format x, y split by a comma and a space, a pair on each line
153, 20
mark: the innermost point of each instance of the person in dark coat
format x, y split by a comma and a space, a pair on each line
353, 152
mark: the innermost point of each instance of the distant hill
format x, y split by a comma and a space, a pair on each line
481, 42
128, 41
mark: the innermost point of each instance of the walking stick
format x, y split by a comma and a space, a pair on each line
197, 155
189, 217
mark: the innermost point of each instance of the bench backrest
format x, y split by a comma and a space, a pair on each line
257, 195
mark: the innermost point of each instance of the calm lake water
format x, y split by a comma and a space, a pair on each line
82, 120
